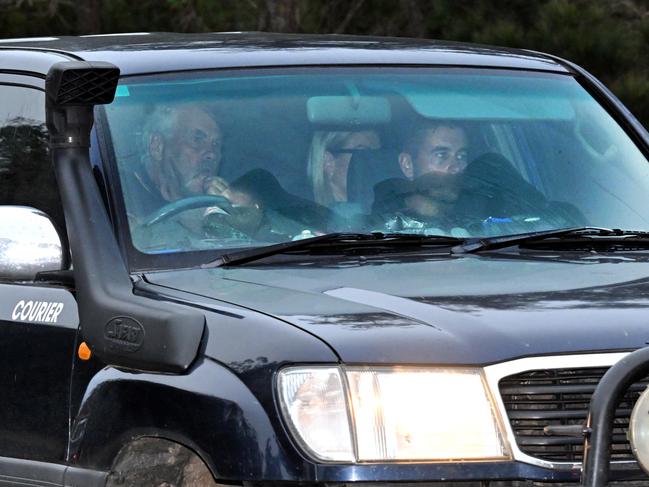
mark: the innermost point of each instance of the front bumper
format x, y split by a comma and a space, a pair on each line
484, 473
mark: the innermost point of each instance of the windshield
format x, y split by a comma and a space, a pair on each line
216, 161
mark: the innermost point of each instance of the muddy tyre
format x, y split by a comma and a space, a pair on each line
152, 462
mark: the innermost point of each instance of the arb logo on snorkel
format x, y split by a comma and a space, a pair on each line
124, 334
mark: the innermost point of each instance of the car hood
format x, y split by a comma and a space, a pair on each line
472, 309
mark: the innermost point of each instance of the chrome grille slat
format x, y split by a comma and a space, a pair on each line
538, 398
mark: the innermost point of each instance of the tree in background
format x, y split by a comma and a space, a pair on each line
608, 37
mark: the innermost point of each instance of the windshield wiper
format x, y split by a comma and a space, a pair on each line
333, 240
340, 240
473, 245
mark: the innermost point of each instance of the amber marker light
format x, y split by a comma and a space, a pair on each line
84, 351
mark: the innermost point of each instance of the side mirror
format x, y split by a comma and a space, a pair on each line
29, 244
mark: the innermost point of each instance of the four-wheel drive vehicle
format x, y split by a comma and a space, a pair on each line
259, 259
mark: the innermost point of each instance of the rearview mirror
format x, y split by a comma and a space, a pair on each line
29, 244
348, 110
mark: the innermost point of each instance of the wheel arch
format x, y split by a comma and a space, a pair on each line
210, 411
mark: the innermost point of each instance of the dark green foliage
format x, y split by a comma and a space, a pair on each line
608, 37
24, 165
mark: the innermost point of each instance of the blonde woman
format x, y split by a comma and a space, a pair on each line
329, 159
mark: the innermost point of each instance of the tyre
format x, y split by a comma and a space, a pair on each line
153, 462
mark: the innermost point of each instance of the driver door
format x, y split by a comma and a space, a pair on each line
38, 317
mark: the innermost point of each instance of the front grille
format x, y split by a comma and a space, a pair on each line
540, 398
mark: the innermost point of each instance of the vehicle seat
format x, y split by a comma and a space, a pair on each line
492, 187
366, 170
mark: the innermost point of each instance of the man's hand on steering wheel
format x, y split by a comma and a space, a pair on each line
245, 213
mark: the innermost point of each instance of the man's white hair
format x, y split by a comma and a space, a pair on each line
161, 120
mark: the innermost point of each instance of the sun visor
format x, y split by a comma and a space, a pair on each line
490, 106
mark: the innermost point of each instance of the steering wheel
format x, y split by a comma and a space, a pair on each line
185, 204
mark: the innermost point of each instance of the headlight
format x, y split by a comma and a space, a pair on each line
397, 413
639, 430
313, 401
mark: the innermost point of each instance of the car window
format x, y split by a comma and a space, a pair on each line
26, 173
216, 161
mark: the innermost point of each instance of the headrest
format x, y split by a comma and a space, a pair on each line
491, 185
368, 168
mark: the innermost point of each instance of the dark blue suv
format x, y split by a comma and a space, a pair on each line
257, 259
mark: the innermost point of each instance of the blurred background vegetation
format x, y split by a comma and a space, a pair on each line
608, 37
